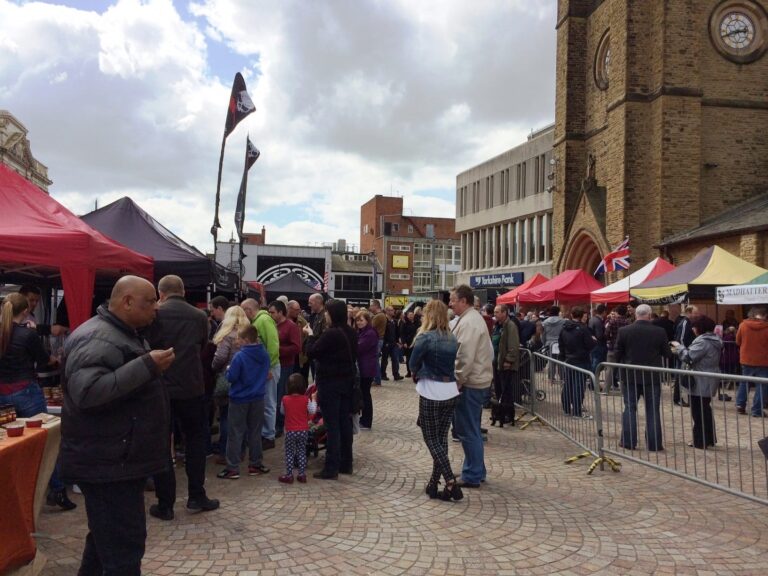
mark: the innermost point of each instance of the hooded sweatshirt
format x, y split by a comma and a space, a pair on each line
248, 374
752, 339
552, 327
576, 342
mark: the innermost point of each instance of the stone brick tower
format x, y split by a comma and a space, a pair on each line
661, 120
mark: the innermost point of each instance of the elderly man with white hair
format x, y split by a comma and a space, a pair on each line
642, 344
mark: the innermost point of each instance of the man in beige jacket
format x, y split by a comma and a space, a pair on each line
474, 375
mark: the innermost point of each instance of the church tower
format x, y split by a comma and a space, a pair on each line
661, 123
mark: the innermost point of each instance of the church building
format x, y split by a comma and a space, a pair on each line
661, 129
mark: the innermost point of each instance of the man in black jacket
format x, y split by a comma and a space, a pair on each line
576, 343
115, 425
642, 344
389, 350
184, 328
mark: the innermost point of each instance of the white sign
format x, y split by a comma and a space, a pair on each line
743, 294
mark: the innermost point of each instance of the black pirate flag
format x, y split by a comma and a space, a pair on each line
251, 155
240, 105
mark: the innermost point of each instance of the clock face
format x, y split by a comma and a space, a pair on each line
737, 30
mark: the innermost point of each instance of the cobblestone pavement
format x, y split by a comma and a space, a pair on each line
534, 515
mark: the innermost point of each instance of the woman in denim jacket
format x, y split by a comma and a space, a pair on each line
432, 364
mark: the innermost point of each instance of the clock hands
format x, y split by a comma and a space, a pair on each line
744, 30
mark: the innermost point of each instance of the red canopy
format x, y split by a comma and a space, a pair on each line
37, 234
511, 296
569, 286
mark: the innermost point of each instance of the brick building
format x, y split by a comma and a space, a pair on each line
660, 129
417, 254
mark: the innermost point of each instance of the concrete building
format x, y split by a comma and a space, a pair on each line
419, 256
15, 151
660, 129
504, 216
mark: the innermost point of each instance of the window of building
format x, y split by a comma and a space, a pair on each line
513, 251
536, 175
365, 229
542, 238
422, 281
523, 241
410, 228
422, 255
549, 236
399, 248
395, 227
518, 181
532, 240
523, 167
399, 276
542, 173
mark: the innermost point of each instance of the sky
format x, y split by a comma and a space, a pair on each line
354, 98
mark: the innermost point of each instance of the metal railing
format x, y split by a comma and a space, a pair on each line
629, 412
565, 398
700, 438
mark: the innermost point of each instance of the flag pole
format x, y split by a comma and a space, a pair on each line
216, 224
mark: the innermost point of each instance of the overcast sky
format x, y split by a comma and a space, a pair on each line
354, 98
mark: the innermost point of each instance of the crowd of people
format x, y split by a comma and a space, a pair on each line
150, 369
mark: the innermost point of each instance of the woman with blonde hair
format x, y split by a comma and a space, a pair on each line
227, 345
432, 364
22, 356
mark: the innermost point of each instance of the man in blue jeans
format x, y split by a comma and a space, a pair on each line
474, 375
752, 339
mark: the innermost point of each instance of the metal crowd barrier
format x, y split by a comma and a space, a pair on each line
566, 398
706, 441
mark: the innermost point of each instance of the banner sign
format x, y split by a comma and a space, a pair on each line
744, 294
497, 280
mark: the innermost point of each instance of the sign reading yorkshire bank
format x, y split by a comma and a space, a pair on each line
496, 280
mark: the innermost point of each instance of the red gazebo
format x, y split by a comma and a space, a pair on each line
41, 241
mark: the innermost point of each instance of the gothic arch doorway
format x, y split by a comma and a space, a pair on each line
583, 253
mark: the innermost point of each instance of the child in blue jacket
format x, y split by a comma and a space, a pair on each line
247, 375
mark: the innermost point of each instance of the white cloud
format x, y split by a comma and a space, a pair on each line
354, 98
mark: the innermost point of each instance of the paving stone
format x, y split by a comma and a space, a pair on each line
534, 515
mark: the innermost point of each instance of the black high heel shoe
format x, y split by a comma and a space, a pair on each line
451, 491
431, 489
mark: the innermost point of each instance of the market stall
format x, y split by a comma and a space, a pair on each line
26, 463
511, 296
618, 292
127, 223
568, 286
43, 242
698, 278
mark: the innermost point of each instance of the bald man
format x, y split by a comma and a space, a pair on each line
115, 425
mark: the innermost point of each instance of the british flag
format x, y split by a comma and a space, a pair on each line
617, 260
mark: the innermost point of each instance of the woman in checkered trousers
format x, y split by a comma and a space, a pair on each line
432, 365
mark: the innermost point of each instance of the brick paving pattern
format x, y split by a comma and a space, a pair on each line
535, 515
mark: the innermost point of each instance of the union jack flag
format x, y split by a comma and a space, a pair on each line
617, 260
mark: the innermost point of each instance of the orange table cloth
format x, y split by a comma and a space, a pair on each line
20, 460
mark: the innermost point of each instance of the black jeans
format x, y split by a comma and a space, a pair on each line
366, 418
336, 409
389, 352
190, 415
117, 527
